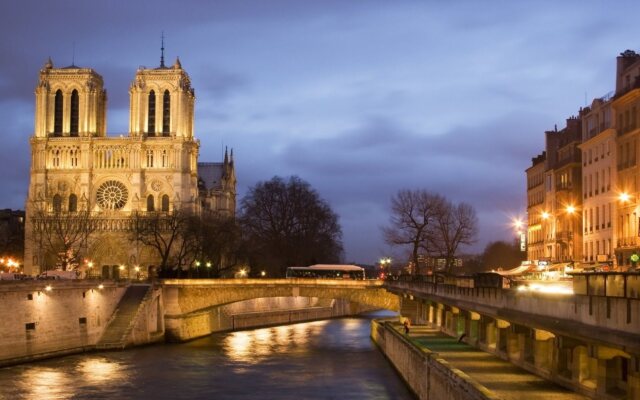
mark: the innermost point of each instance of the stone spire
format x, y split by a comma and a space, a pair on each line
162, 51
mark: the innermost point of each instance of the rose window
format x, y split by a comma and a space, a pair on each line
112, 195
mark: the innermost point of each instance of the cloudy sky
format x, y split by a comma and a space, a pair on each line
360, 98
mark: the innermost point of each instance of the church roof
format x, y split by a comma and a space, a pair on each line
211, 174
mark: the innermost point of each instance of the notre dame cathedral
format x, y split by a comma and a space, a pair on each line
76, 169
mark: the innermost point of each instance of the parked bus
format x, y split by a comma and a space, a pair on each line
327, 271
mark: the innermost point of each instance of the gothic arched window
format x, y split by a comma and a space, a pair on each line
73, 203
57, 203
150, 205
57, 114
166, 113
151, 122
165, 203
165, 159
75, 110
56, 158
149, 158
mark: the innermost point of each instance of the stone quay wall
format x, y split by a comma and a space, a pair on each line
428, 376
40, 323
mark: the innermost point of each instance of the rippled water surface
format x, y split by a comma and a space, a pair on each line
332, 359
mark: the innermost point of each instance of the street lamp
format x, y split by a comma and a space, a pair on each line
624, 197
545, 215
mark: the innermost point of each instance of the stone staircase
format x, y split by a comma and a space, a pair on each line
121, 323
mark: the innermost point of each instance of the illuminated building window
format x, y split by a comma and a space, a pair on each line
149, 158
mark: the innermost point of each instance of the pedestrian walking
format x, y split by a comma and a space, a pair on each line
407, 326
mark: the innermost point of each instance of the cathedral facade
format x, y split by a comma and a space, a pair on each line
79, 173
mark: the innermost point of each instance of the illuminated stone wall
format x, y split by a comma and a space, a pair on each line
69, 318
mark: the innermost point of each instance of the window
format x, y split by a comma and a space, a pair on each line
75, 107
56, 158
165, 203
150, 205
57, 203
74, 158
149, 158
31, 326
73, 203
57, 114
82, 320
166, 113
165, 159
151, 121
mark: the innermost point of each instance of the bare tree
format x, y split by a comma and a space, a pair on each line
413, 216
218, 243
62, 236
167, 234
456, 225
287, 223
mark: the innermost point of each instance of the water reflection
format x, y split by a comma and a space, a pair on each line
332, 359
254, 346
100, 370
44, 383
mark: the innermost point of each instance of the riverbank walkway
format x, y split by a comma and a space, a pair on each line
505, 380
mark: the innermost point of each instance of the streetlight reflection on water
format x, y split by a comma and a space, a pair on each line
253, 346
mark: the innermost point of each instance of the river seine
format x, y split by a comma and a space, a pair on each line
333, 359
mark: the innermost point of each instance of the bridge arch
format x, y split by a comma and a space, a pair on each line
192, 307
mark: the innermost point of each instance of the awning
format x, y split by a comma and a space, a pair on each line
515, 271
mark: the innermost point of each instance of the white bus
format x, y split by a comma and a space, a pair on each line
327, 271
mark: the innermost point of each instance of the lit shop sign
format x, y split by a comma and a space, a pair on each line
523, 242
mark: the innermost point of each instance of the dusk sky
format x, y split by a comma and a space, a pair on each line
359, 98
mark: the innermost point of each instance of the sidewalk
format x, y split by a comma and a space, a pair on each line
504, 379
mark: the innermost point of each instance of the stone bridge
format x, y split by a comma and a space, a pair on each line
193, 308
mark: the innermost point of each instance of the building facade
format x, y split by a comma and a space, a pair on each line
560, 219
79, 173
599, 174
592, 171
536, 208
625, 106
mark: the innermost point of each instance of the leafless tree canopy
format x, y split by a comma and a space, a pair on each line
287, 223
427, 223
62, 236
218, 244
167, 234
413, 217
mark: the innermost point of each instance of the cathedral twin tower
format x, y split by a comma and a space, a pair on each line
77, 168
